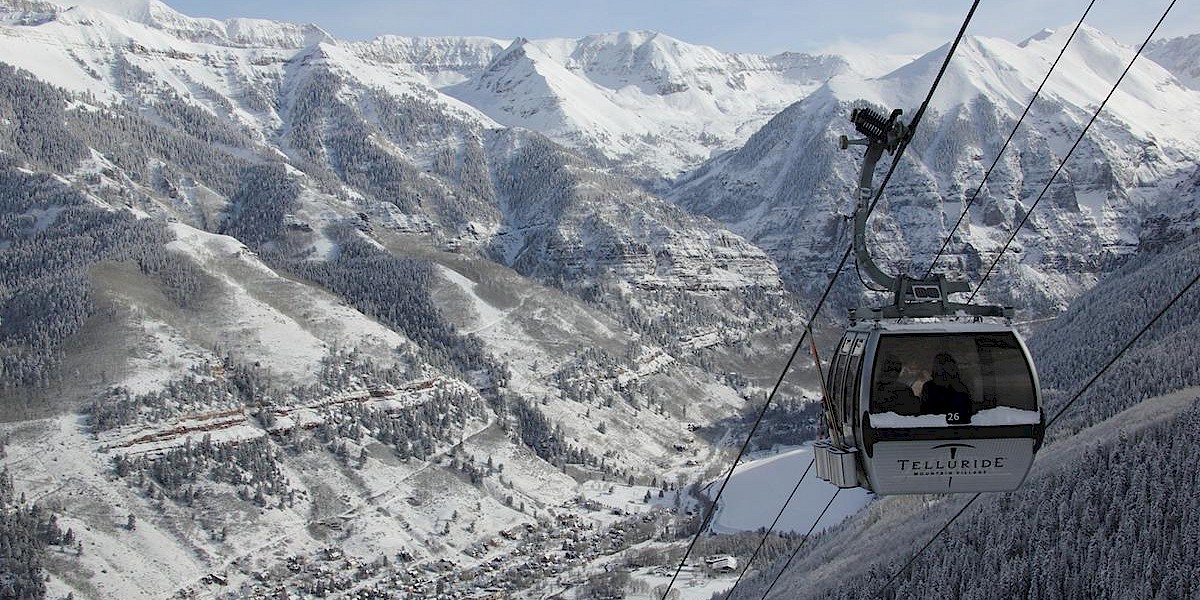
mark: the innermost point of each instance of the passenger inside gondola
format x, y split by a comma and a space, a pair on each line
983, 377
945, 393
892, 394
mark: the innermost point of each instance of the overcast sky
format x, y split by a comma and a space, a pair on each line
763, 26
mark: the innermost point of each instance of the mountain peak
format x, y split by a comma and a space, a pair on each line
149, 13
1058, 35
1008, 73
632, 38
238, 32
1037, 37
517, 51
138, 11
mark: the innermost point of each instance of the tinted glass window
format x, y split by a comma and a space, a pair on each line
850, 391
839, 376
941, 373
831, 377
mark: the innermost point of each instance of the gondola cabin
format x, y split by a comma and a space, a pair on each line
931, 407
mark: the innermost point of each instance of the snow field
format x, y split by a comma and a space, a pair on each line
759, 488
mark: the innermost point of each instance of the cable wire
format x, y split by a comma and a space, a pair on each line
1063, 162
708, 514
796, 550
763, 541
1115, 357
913, 558
916, 120
970, 201
833, 278
1118, 355
1058, 414
962, 30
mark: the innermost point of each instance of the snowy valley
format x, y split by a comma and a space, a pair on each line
291, 316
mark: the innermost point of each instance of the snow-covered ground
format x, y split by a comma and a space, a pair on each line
577, 92
1000, 415
759, 488
692, 583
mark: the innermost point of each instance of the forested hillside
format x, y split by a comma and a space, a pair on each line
1107, 511
282, 314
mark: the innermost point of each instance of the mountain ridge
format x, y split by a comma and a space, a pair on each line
1130, 159
352, 313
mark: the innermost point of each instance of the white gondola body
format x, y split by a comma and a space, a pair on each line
912, 444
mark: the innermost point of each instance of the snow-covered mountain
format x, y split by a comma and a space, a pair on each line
391, 123
787, 188
635, 98
632, 99
1176, 216
1083, 497
305, 377
444, 60
287, 286
1178, 55
272, 298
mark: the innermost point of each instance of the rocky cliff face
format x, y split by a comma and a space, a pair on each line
404, 295
648, 104
1178, 55
370, 131
411, 133
562, 218
1175, 217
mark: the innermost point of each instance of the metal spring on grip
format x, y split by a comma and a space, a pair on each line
870, 123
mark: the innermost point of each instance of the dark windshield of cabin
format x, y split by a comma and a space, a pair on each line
921, 374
